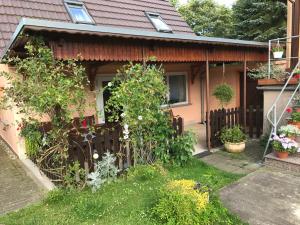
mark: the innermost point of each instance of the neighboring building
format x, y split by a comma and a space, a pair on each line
108, 34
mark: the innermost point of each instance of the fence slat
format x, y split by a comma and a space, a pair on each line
228, 118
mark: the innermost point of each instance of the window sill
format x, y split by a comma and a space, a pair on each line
180, 105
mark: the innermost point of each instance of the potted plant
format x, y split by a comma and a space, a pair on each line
290, 131
278, 51
295, 119
277, 74
283, 146
224, 93
297, 73
234, 139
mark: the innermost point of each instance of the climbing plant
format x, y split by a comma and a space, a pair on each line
137, 95
44, 87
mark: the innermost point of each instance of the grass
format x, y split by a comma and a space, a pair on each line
128, 201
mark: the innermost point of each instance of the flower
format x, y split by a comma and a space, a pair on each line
84, 123
140, 117
109, 84
126, 132
126, 137
95, 155
123, 115
289, 110
126, 126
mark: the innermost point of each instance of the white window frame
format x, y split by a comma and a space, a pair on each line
79, 4
99, 97
186, 84
152, 14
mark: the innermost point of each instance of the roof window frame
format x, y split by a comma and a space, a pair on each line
152, 14
79, 4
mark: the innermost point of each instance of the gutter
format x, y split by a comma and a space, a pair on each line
37, 24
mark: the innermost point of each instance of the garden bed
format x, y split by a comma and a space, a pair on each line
128, 201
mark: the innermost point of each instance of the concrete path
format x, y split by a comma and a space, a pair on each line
17, 187
239, 163
265, 197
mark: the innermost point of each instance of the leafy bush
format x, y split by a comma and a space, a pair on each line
43, 87
146, 172
181, 202
182, 147
105, 171
75, 176
139, 91
295, 116
289, 130
224, 93
232, 135
33, 138
261, 72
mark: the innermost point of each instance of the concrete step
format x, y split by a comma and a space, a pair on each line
292, 163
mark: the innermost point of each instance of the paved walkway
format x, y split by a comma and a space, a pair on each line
241, 163
17, 188
265, 197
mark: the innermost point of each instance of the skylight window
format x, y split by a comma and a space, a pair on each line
78, 12
158, 22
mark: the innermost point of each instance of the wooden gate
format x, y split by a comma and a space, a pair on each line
227, 118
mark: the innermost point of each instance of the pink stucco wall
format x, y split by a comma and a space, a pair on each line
191, 112
9, 118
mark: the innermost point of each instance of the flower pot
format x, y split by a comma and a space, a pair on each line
235, 147
297, 75
281, 155
292, 137
297, 124
278, 55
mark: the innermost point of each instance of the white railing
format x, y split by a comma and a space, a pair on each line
273, 117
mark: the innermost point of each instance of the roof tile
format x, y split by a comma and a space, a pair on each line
118, 13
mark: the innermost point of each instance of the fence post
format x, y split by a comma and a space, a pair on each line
251, 122
257, 116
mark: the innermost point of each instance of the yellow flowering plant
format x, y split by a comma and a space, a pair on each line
182, 202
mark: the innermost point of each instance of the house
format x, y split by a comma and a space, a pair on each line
108, 34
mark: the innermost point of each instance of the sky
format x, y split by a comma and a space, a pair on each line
224, 2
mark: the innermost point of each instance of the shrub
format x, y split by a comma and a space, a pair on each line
232, 135
182, 147
139, 91
105, 171
224, 93
261, 72
289, 130
33, 138
295, 116
146, 172
181, 202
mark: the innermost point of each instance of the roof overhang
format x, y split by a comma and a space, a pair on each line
46, 25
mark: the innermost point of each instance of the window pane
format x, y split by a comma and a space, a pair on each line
79, 14
159, 24
177, 86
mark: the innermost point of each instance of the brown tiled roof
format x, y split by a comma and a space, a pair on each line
118, 13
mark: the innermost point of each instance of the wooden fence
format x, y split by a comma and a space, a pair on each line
230, 117
105, 138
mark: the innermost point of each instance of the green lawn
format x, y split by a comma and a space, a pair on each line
124, 202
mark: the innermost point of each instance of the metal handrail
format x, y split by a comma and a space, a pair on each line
279, 40
272, 116
273, 108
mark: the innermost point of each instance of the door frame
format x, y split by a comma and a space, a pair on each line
99, 95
